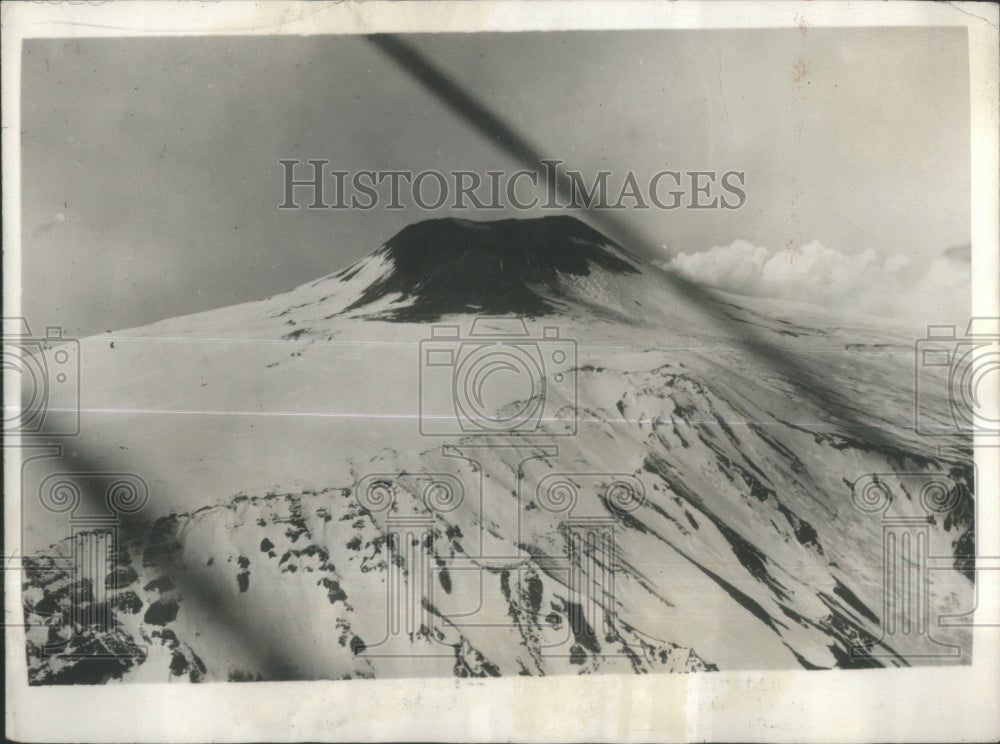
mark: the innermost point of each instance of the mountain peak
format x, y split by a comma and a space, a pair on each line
443, 266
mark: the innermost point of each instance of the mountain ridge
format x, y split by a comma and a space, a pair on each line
447, 266
270, 427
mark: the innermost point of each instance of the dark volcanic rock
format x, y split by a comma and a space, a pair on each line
509, 266
161, 612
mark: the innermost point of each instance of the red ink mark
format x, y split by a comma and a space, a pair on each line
800, 70
803, 24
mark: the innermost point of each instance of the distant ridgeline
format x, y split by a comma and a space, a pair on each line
509, 266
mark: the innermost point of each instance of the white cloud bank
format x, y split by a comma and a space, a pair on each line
894, 286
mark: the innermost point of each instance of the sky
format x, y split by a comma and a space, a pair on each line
151, 183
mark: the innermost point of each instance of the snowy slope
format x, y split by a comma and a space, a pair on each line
683, 501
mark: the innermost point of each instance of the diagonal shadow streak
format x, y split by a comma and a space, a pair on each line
196, 587
491, 125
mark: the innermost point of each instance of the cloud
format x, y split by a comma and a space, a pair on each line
865, 282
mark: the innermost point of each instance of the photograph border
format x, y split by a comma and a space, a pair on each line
954, 703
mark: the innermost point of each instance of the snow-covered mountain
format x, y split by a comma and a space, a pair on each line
495, 449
